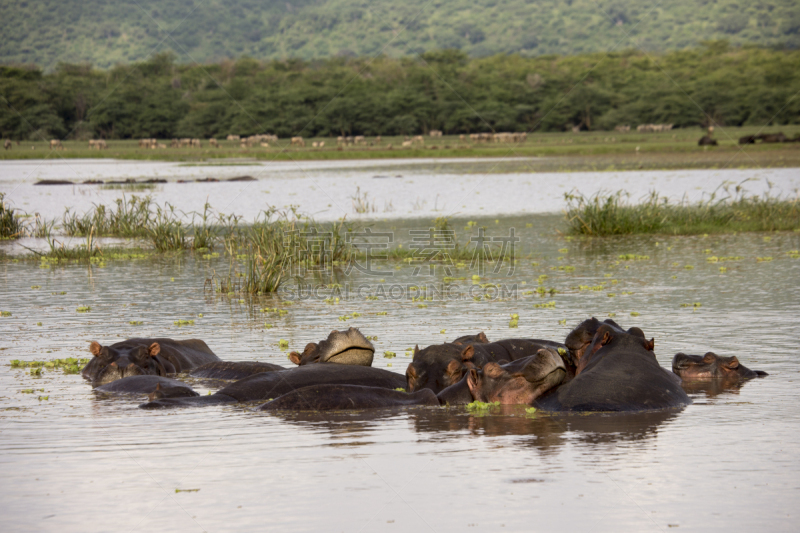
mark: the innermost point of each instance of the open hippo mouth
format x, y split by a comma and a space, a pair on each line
349, 347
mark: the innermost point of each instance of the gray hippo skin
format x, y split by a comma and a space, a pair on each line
712, 366
269, 385
622, 374
146, 385
349, 347
519, 382
233, 369
137, 357
330, 397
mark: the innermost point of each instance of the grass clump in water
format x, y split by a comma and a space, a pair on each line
481, 407
10, 225
610, 214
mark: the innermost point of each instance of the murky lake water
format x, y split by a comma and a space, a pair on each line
77, 461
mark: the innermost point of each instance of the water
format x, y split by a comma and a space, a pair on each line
391, 189
729, 462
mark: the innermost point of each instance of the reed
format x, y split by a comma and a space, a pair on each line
611, 214
132, 218
10, 225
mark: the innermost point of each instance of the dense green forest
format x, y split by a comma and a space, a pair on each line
442, 90
103, 33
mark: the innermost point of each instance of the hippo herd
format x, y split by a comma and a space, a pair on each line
600, 367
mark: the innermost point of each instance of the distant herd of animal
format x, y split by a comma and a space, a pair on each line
264, 140
600, 367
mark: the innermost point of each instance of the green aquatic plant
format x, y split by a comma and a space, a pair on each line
181, 323
5, 313
389, 355
10, 224
514, 320
283, 343
84, 309
611, 214
477, 406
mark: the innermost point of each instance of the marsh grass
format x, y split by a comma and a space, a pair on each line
131, 218
10, 225
611, 214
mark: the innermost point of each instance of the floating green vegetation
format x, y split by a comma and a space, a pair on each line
389, 355
548, 305
695, 305
372, 337
400, 389
5, 313
567, 268
443, 331
344, 318
283, 343
70, 365
422, 306
794, 254
689, 267
44, 398
634, 313
84, 309
764, 259
722, 270
186, 490
610, 214
478, 407
514, 320
34, 287
268, 326
135, 322
530, 410
38, 323
180, 323
633, 257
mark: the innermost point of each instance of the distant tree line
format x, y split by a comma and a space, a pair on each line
443, 90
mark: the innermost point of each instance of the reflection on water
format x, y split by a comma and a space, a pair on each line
63, 448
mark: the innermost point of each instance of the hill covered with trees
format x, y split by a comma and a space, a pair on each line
442, 90
103, 33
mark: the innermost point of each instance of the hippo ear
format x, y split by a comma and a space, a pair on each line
154, 349
709, 358
416, 350
607, 337
468, 353
294, 357
411, 371
733, 363
650, 345
455, 368
472, 382
482, 337
158, 386
95, 348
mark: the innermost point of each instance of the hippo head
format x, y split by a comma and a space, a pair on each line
711, 366
480, 338
608, 333
111, 363
579, 339
435, 367
539, 374
349, 347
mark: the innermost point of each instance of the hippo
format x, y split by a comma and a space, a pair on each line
268, 385
747, 139
518, 382
480, 338
334, 396
711, 366
621, 375
349, 347
435, 367
233, 369
706, 140
440, 366
147, 385
134, 357
773, 137
175, 391
578, 339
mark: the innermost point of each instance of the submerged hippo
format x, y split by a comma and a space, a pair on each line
233, 369
269, 385
147, 385
711, 366
621, 375
480, 338
442, 365
579, 339
136, 357
349, 347
331, 397
519, 382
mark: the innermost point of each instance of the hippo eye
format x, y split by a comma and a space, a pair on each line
709, 358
